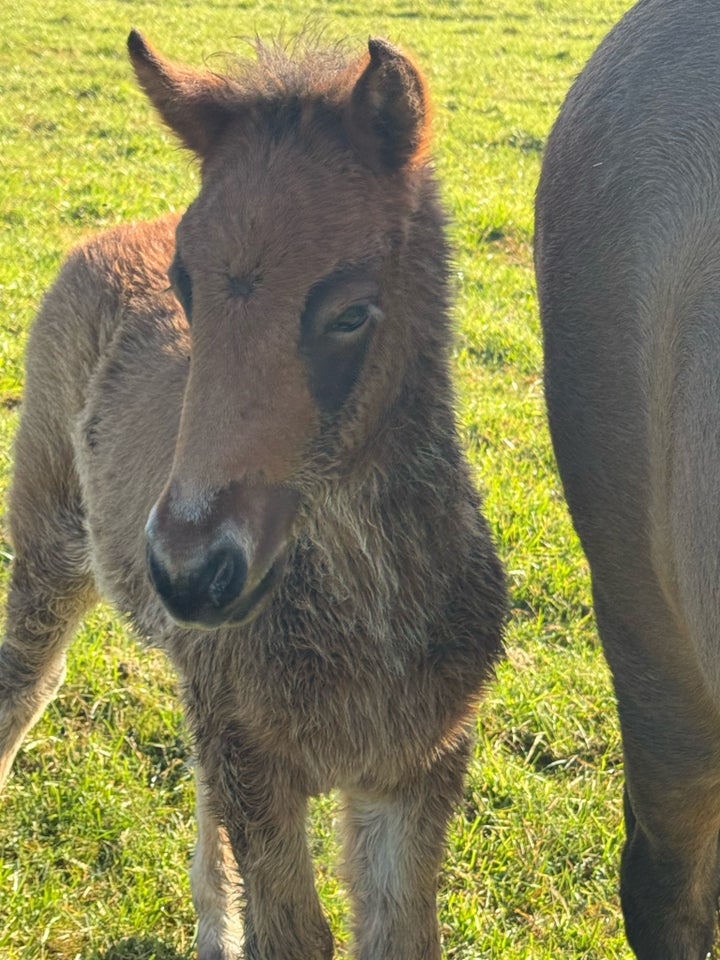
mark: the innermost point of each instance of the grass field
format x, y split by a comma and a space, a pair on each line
96, 825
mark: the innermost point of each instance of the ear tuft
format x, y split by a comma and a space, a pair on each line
389, 113
189, 101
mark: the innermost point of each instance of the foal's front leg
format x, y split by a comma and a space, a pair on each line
263, 812
394, 845
216, 885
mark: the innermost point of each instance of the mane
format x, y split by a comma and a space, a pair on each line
298, 69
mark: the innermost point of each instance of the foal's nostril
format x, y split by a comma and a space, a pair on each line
228, 577
199, 593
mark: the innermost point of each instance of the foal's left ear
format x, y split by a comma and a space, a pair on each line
389, 115
189, 101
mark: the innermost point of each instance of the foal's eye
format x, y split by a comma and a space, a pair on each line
351, 319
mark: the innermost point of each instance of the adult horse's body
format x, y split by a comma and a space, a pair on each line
280, 456
628, 264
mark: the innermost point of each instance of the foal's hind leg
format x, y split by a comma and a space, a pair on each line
51, 587
43, 610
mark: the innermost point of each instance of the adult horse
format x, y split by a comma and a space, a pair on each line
628, 267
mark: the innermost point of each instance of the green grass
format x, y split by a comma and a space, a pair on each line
96, 825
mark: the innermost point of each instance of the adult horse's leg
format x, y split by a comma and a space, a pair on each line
395, 841
670, 874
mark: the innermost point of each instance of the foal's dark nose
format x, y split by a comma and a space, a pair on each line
200, 594
217, 559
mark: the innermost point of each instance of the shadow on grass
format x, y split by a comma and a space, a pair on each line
139, 948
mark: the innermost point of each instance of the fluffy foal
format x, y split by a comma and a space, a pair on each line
258, 462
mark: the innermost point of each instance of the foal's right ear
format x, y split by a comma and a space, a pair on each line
189, 101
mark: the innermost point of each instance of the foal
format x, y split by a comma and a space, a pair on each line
260, 465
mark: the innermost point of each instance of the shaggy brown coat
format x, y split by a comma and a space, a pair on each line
320, 573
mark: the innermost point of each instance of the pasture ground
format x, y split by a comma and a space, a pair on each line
96, 826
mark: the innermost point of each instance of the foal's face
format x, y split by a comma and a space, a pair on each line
281, 267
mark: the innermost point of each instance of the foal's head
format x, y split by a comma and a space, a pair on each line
286, 266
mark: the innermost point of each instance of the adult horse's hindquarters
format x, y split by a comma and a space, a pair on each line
628, 264
261, 467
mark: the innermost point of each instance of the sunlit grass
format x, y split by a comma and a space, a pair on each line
96, 824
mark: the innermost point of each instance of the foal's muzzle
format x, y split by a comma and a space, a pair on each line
202, 595
218, 568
